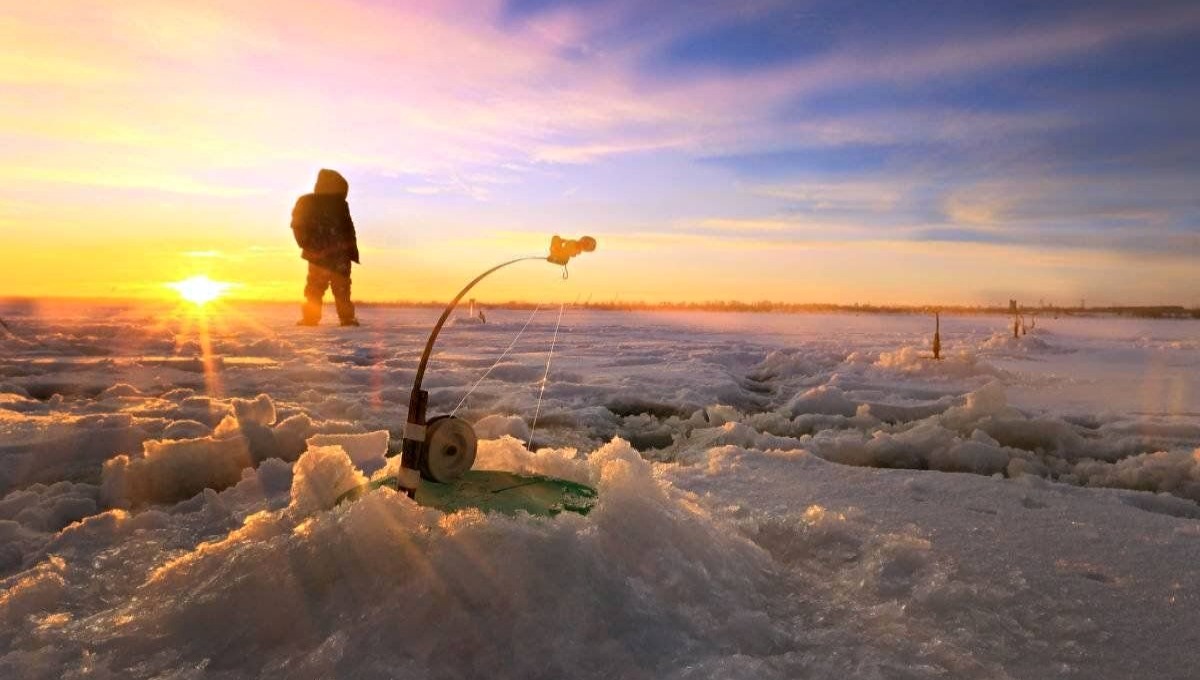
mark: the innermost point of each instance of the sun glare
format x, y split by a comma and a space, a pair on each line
199, 290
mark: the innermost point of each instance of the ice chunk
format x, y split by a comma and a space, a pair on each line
321, 476
510, 454
172, 470
1176, 472
120, 390
366, 450
825, 399
186, 429
260, 410
496, 426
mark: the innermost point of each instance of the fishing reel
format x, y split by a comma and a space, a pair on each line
448, 451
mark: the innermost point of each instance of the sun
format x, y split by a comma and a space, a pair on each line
199, 290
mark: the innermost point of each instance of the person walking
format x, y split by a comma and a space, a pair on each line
324, 231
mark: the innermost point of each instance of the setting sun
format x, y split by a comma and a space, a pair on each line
199, 290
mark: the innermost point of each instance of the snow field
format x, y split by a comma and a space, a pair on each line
744, 528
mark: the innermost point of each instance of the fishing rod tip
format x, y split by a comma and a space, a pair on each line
562, 249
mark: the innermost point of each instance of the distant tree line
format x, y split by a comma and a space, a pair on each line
23, 305
773, 307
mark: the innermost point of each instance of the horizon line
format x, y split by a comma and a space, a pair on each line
729, 305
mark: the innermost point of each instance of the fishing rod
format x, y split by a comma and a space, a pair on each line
441, 449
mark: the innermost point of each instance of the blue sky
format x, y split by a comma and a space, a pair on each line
1044, 149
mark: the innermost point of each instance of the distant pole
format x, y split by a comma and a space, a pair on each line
937, 335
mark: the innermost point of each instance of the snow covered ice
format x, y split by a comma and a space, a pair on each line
773, 500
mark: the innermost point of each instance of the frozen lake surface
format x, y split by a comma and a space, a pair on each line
774, 497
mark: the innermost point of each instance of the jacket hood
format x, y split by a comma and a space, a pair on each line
331, 182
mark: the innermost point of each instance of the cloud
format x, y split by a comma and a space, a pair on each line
960, 235
736, 225
857, 196
381, 86
130, 179
591, 152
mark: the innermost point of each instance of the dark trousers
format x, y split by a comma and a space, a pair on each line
335, 275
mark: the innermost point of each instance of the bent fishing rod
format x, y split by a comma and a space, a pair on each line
442, 448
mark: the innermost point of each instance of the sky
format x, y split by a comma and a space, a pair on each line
899, 152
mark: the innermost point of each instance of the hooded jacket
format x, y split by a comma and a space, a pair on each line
321, 221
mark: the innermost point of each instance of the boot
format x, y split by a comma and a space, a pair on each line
310, 312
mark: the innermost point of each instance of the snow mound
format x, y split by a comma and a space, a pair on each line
913, 361
269, 347
10, 388
120, 390
185, 429
466, 321
257, 411
47, 446
171, 470
1005, 343
510, 454
272, 596
49, 508
781, 364
823, 400
366, 450
1174, 472
38, 590
496, 426
321, 476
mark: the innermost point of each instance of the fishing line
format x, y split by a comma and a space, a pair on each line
497, 363
549, 356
